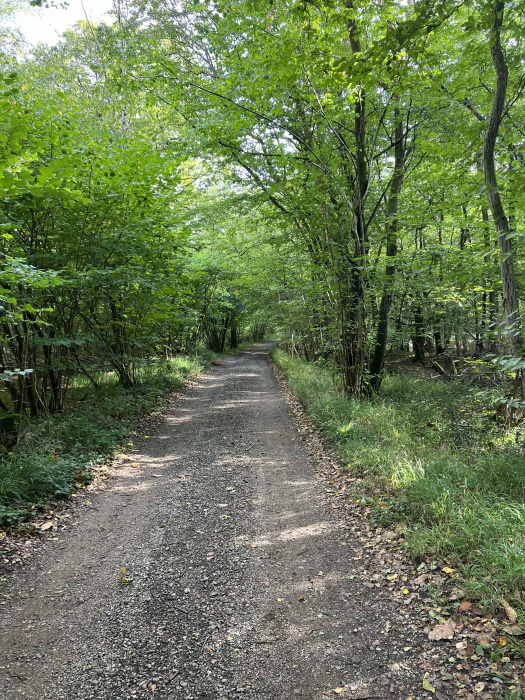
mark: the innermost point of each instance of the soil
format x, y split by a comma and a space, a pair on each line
215, 563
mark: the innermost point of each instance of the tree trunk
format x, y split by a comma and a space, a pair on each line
438, 341
378, 358
353, 329
419, 336
501, 222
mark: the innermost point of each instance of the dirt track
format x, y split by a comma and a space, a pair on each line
240, 584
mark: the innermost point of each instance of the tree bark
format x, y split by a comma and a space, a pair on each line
501, 222
378, 358
418, 338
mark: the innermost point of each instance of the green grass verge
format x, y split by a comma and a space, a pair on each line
54, 456
429, 454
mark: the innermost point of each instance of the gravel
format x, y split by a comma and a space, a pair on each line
235, 583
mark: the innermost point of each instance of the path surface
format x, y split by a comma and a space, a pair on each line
241, 587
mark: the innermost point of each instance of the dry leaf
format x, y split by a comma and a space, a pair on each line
448, 570
479, 687
338, 690
514, 630
483, 640
46, 526
124, 580
444, 631
428, 686
465, 605
510, 612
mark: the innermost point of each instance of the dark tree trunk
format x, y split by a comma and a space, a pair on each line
501, 222
440, 348
378, 357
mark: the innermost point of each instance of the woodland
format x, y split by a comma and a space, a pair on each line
345, 175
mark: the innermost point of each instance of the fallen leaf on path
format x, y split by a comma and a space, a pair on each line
514, 630
338, 690
123, 578
443, 631
455, 593
448, 570
465, 605
46, 526
428, 686
483, 640
510, 612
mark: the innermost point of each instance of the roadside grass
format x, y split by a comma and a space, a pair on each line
57, 454
428, 454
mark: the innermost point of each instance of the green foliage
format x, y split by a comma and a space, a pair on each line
429, 453
185, 178
55, 456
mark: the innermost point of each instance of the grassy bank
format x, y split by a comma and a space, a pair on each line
60, 453
429, 454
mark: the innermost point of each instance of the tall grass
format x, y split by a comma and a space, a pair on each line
57, 454
429, 454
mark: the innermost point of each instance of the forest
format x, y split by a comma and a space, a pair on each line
346, 176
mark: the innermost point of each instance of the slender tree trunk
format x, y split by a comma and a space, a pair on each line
501, 222
419, 335
353, 299
378, 358
438, 341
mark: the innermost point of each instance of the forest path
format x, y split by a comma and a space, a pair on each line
241, 586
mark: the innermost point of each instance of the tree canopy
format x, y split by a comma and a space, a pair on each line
345, 175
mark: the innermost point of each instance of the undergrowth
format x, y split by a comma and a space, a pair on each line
58, 454
428, 453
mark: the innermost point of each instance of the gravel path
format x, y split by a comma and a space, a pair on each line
240, 584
